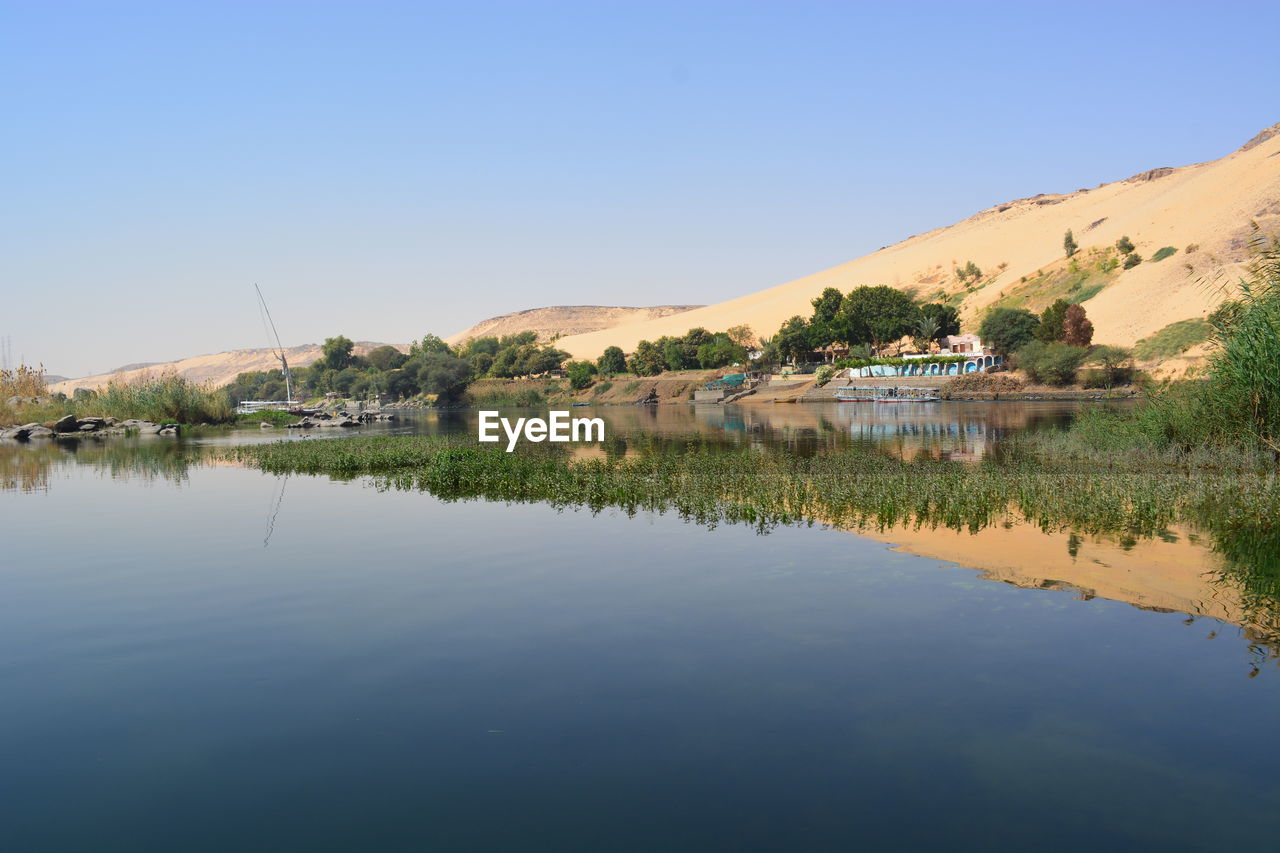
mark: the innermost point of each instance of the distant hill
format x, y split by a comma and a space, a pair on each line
216, 368
564, 320
1190, 224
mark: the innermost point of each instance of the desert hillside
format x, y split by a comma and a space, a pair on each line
1200, 216
216, 368
565, 320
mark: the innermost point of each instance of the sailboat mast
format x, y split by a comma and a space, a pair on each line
284, 364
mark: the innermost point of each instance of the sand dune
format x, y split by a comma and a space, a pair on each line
565, 320
1209, 204
215, 368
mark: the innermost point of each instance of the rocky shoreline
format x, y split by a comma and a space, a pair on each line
72, 427
323, 420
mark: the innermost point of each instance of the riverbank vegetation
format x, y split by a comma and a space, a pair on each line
1235, 404
1047, 482
167, 398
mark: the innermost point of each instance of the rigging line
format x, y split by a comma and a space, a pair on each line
271, 521
262, 315
279, 345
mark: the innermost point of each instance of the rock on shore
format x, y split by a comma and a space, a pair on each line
71, 426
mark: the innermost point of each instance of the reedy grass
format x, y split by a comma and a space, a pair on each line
167, 398
1056, 483
765, 487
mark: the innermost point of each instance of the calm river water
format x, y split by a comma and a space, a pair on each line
201, 657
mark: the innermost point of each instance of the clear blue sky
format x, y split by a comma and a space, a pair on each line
386, 169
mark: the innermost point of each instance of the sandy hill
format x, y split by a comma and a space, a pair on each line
216, 368
1018, 245
565, 320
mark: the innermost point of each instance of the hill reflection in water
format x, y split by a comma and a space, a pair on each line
1181, 569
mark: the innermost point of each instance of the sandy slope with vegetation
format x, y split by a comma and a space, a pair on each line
560, 320
1204, 212
217, 369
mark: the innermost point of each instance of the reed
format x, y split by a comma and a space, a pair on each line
167, 398
765, 487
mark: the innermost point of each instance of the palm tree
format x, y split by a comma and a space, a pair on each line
926, 331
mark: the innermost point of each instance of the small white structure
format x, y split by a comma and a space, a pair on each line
962, 345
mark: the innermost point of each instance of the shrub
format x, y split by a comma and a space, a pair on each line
1131, 260
1115, 367
823, 374
1069, 243
1125, 245
581, 374
23, 381
1161, 254
601, 388
1052, 364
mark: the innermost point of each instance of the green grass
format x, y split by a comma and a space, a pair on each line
1063, 483
270, 416
1076, 280
505, 398
1173, 339
1161, 254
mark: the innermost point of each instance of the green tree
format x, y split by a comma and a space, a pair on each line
1069, 243
947, 317
823, 326
481, 363
646, 360
612, 361
925, 332
673, 352
1077, 330
441, 373
1007, 330
519, 339
429, 343
1050, 329
540, 359
336, 352
487, 345
792, 340
386, 358
402, 382
720, 351
581, 374
877, 315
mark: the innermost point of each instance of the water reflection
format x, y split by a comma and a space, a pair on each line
1205, 572
959, 430
31, 467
